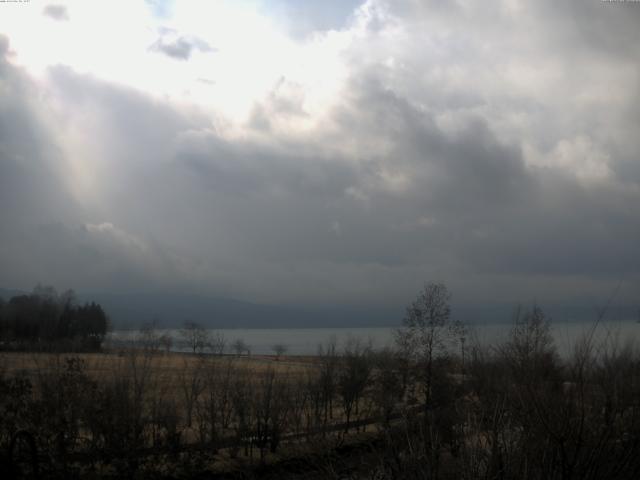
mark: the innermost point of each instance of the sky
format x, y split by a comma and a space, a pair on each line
322, 152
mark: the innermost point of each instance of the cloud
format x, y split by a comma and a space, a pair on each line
180, 47
456, 147
56, 12
4, 46
116, 235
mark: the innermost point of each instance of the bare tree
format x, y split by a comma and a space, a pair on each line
243, 419
427, 330
279, 349
192, 385
218, 343
166, 341
240, 347
195, 337
328, 359
387, 383
353, 377
530, 349
215, 411
147, 337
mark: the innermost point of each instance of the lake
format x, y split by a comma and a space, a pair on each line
305, 341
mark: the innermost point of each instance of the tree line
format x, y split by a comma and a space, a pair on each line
45, 320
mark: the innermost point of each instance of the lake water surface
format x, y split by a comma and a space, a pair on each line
305, 341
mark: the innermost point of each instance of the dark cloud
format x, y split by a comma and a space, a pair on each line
29, 158
56, 12
180, 47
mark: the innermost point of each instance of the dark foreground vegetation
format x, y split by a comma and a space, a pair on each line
437, 406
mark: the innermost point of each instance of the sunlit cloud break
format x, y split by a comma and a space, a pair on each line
263, 151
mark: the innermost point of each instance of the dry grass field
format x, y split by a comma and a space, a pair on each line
99, 364
171, 373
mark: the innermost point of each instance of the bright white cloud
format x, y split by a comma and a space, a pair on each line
245, 57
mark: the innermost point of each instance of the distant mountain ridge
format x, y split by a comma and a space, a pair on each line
7, 293
170, 310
